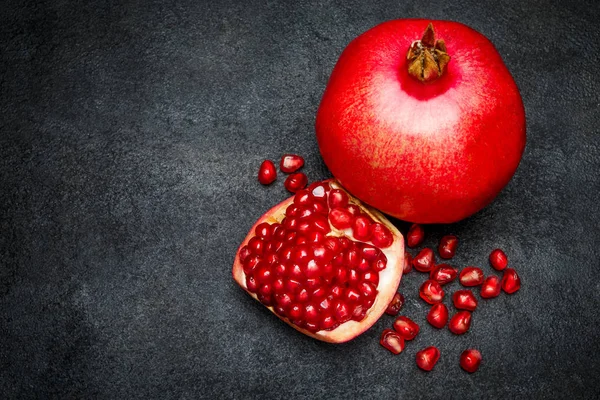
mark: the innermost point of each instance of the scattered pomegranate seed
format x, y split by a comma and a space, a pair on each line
415, 235
392, 341
510, 281
423, 262
427, 358
471, 276
295, 182
406, 327
460, 322
443, 274
395, 305
267, 173
290, 163
490, 287
447, 247
464, 300
498, 259
407, 263
470, 360
438, 315
431, 292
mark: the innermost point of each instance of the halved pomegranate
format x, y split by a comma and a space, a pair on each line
303, 261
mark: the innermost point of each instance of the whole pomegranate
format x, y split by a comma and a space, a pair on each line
427, 127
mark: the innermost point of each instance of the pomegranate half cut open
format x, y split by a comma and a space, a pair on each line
323, 262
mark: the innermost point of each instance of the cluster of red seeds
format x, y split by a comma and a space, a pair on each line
431, 291
317, 281
289, 164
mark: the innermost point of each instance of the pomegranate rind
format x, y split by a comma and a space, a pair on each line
389, 278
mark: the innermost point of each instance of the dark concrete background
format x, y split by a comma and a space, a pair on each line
130, 137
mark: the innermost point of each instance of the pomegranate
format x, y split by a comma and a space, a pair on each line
431, 292
295, 182
498, 259
320, 279
470, 360
424, 261
427, 358
395, 305
406, 327
267, 173
443, 274
415, 235
392, 341
291, 163
447, 247
460, 322
471, 276
438, 315
490, 287
428, 131
510, 281
464, 300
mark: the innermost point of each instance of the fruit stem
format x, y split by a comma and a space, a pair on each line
427, 58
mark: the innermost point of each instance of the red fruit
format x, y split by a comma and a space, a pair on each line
460, 322
406, 327
415, 235
471, 276
490, 287
470, 360
464, 300
407, 263
395, 305
438, 315
457, 122
443, 274
322, 281
295, 182
427, 358
498, 259
290, 163
510, 281
392, 341
431, 292
423, 262
447, 247
267, 173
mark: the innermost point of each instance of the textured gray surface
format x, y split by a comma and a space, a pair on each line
130, 136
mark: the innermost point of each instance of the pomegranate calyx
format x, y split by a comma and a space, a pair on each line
427, 58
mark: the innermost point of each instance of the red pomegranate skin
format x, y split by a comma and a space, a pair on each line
432, 152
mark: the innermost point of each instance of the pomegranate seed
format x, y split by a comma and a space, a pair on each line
267, 173
471, 276
438, 315
510, 281
256, 245
415, 235
353, 209
464, 300
427, 358
431, 292
406, 327
392, 341
381, 235
470, 360
423, 262
460, 322
498, 259
264, 230
291, 163
295, 182
407, 263
244, 254
395, 305
361, 228
337, 199
443, 274
490, 287
447, 247
340, 218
